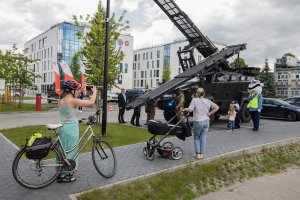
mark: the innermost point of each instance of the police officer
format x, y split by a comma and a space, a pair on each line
150, 109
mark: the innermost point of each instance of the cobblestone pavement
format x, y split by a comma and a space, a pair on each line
132, 163
269, 187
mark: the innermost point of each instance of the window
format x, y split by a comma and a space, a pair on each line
157, 73
157, 64
143, 56
158, 54
151, 55
147, 64
142, 74
134, 75
126, 68
147, 56
138, 57
135, 57
120, 79
134, 83
138, 66
151, 74
152, 64
40, 44
199, 59
142, 83
220, 78
121, 67
145, 74
44, 42
51, 51
151, 82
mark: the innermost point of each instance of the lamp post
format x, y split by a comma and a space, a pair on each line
104, 113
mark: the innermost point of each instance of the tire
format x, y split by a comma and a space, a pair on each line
34, 174
245, 115
176, 153
104, 158
291, 116
167, 145
150, 153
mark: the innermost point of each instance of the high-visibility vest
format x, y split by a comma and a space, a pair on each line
253, 103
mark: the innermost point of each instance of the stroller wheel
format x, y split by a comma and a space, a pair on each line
150, 153
167, 145
145, 151
176, 153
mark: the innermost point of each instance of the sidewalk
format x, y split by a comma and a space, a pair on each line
269, 187
132, 163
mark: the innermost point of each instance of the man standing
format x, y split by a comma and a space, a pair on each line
122, 100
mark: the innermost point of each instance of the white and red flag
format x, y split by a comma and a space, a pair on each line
56, 77
67, 71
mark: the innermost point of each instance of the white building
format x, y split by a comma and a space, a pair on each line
60, 42
149, 62
287, 76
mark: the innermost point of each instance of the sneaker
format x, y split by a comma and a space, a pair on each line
132, 123
65, 177
138, 125
198, 156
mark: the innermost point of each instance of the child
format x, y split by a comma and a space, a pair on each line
231, 116
237, 117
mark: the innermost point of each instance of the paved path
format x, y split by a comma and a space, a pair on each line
269, 187
132, 163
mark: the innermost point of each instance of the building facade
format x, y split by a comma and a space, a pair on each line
148, 63
287, 76
60, 42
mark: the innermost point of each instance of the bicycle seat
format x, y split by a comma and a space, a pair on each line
53, 126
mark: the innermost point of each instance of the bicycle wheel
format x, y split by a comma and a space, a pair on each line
35, 174
104, 158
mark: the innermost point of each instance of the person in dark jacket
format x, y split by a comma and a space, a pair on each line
136, 116
122, 101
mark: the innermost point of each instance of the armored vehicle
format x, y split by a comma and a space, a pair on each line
221, 83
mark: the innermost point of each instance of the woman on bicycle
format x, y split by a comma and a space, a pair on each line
69, 133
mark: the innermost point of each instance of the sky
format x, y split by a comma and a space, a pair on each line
269, 27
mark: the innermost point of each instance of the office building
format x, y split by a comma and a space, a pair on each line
60, 42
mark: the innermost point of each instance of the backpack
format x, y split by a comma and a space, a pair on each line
37, 146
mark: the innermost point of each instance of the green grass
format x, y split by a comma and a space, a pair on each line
198, 180
117, 134
13, 107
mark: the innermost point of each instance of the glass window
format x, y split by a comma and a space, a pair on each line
147, 64
126, 68
158, 54
157, 66
142, 83
220, 78
142, 74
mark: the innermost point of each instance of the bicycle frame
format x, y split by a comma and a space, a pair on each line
58, 141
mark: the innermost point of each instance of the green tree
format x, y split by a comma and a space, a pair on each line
238, 64
14, 68
268, 79
94, 45
166, 76
75, 66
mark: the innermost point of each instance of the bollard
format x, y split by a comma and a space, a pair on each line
38, 102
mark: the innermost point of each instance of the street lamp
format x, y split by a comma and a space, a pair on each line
104, 113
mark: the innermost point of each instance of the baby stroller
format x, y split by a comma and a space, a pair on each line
180, 129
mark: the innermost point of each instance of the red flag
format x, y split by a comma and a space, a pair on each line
67, 71
56, 77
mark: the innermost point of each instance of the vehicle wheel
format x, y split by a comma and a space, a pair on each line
150, 153
167, 145
35, 174
176, 153
291, 116
245, 115
104, 158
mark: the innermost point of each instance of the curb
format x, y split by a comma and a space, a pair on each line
10, 142
254, 149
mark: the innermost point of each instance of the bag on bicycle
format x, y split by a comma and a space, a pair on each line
37, 146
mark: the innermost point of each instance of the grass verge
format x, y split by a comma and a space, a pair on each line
200, 179
117, 134
13, 107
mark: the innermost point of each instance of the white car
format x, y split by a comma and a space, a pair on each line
111, 96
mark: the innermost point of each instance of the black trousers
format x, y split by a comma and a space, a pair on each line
255, 119
136, 116
121, 114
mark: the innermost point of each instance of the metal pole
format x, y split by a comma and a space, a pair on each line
104, 113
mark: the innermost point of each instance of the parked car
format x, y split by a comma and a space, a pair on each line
111, 96
277, 108
132, 94
293, 100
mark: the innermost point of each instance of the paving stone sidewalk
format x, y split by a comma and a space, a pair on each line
132, 163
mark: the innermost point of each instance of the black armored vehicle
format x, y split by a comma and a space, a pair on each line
222, 84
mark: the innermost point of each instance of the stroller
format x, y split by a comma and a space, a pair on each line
180, 129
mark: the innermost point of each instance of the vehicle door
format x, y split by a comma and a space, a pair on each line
216, 90
268, 108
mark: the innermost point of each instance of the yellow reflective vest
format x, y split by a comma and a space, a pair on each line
253, 103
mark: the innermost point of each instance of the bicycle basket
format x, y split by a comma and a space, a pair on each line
37, 146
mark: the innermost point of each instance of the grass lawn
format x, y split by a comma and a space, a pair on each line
11, 107
202, 178
116, 134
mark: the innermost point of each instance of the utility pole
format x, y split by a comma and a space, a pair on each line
104, 113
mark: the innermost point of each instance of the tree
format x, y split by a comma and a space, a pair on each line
94, 45
268, 79
166, 76
14, 69
75, 66
238, 64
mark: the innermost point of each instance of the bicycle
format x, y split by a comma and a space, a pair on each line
35, 174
